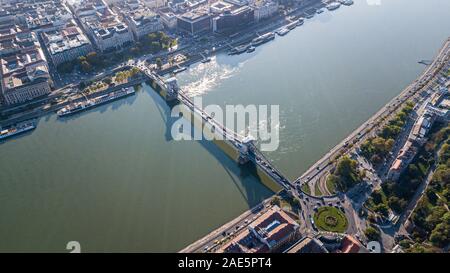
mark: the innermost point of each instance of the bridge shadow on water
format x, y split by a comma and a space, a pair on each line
244, 177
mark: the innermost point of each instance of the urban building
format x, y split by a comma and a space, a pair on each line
231, 20
264, 9
102, 25
66, 45
6, 16
268, 233
154, 4
405, 156
168, 18
194, 22
220, 7
239, 3
416, 139
307, 245
14, 38
140, 19
39, 15
24, 72
351, 245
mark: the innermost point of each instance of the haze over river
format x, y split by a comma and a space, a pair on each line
114, 180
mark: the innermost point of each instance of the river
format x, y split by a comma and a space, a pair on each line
113, 178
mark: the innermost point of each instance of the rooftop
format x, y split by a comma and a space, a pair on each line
61, 40
307, 245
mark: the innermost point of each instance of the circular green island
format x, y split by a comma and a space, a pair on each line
330, 219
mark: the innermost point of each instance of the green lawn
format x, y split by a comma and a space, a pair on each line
330, 219
331, 186
317, 191
305, 188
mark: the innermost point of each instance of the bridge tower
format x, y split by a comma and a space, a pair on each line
172, 89
244, 148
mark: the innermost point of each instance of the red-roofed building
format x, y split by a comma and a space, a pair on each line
268, 233
351, 245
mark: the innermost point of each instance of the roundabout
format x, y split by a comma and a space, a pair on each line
330, 219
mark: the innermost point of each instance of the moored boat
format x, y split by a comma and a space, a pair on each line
263, 38
333, 6
18, 128
90, 103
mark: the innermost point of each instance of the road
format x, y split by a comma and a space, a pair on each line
369, 128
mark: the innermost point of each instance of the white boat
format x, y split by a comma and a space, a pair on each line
181, 69
282, 31
18, 129
85, 105
263, 39
346, 2
239, 49
292, 25
333, 6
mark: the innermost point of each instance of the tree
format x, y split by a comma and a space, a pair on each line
152, 37
81, 59
382, 209
65, 67
276, 200
159, 63
379, 145
376, 159
377, 197
435, 217
86, 67
389, 144
440, 236
295, 203
93, 58
372, 233
107, 80
346, 173
155, 46
396, 204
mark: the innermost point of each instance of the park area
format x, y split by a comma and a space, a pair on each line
330, 219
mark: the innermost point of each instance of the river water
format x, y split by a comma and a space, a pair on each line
113, 178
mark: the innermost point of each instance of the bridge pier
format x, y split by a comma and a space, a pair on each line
172, 89
244, 148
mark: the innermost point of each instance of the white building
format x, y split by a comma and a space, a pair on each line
66, 45
43, 15
153, 4
140, 19
264, 9
103, 25
24, 73
168, 18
